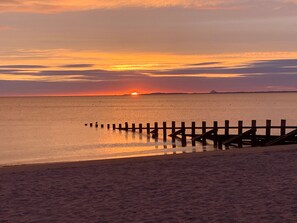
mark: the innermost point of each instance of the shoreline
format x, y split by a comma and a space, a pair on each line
83, 163
240, 185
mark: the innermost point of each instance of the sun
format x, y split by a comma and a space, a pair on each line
134, 93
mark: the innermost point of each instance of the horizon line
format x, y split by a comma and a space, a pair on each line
213, 92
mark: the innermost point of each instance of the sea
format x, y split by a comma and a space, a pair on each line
57, 129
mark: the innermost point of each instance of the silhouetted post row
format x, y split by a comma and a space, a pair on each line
220, 135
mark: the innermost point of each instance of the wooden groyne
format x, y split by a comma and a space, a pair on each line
221, 136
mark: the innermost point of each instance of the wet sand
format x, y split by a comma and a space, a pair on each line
246, 185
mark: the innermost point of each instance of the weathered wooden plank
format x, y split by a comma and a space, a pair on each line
238, 137
203, 136
282, 138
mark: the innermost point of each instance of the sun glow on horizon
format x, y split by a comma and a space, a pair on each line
134, 93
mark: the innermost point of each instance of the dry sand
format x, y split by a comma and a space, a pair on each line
247, 185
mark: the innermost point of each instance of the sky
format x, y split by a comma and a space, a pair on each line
113, 47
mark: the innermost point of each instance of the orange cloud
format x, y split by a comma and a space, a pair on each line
57, 6
62, 65
52, 6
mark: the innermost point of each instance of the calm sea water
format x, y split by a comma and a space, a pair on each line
52, 129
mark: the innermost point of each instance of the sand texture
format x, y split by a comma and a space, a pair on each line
254, 186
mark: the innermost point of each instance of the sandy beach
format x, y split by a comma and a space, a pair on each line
247, 185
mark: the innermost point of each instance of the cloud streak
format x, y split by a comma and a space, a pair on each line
272, 68
52, 6
77, 65
262, 67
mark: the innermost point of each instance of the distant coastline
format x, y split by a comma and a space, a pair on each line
154, 93
219, 92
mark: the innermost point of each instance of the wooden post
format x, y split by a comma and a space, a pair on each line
268, 131
148, 128
156, 133
184, 138
120, 127
193, 133
156, 129
173, 131
113, 126
148, 132
227, 133
140, 128
126, 126
133, 127
102, 126
164, 131
203, 132
108, 126
227, 124
215, 134
240, 125
283, 127
253, 136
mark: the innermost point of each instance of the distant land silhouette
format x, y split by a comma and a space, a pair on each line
217, 92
